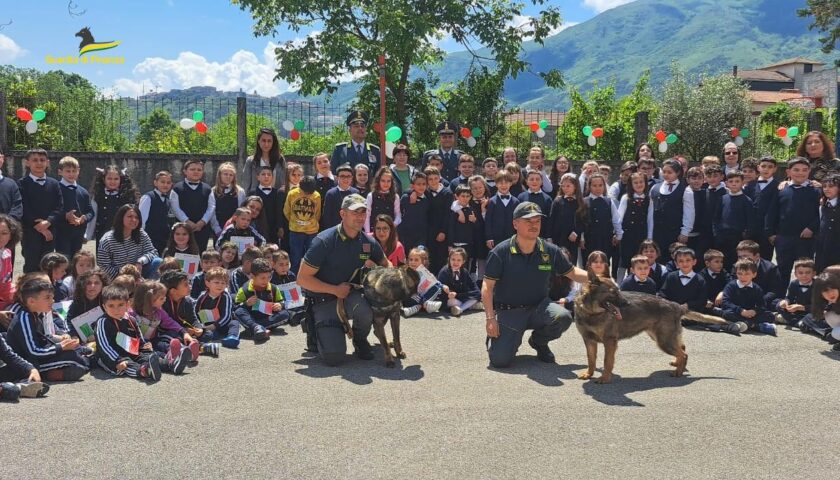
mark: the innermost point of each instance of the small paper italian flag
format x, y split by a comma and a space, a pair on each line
189, 267
263, 307
129, 344
208, 316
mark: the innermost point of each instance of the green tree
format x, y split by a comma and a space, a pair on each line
353, 33
702, 111
826, 15
154, 126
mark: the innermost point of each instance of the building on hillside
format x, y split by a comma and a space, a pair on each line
798, 81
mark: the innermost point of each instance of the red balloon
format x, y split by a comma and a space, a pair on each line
660, 136
295, 135
598, 132
535, 126
781, 132
377, 127
23, 114
735, 132
466, 132
201, 127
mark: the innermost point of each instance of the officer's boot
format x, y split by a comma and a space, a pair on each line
363, 349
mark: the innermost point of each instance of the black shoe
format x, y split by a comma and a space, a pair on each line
830, 339
836, 347
9, 392
543, 352
363, 349
260, 334
731, 328
153, 368
180, 362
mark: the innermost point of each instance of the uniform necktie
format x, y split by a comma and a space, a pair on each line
41, 180
762, 181
111, 192
359, 150
670, 187
686, 277
71, 187
192, 184
504, 197
457, 276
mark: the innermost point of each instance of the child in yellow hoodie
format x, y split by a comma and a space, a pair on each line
303, 211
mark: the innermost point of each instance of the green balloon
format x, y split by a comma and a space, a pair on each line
476, 132
543, 123
198, 116
299, 124
393, 134
39, 115
587, 130
389, 125
745, 132
671, 139
792, 131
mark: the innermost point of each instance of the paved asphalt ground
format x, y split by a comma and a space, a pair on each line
750, 407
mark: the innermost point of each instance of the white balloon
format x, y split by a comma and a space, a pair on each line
288, 125
540, 133
389, 149
663, 147
187, 123
471, 141
592, 140
787, 141
739, 140
31, 126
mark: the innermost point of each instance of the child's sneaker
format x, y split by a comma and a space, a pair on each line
9, 392
732, 328
33, 389
175, 347
211, 349
231, 341
179, 363
780, 320
767, 328
836, 347
477, 306
260, 334
153, 368
409, 311
456, 310
432, 306
195, 349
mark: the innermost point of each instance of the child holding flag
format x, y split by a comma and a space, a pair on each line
259, 304
214, 308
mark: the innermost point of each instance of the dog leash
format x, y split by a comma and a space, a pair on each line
341, 310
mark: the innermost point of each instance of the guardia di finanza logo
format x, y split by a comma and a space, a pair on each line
87, 51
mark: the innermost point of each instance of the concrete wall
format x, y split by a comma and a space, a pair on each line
822, 83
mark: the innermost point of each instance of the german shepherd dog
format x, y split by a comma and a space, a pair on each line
603, 314
385, 289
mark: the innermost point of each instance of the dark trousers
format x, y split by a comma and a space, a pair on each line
229, 330
9, 373
438, 255
727, 243
329, 332
700, 244
34, 246
202, 237
761, 317
548, 320
68, 241
790, 248
793, 318
251, 319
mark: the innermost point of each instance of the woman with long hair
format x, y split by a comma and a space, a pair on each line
266, 154
819, 150
127, 243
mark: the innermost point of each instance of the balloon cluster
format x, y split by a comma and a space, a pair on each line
294, 128
539, 127
665, 139
787, 134
197, 122
739, 134
31, 119
592, 134
470, 135
392, 134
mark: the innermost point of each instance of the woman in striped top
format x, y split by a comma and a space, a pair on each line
127, 243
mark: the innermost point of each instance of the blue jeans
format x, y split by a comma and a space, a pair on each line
298, 245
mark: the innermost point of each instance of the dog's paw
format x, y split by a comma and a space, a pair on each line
585, 376
401, 355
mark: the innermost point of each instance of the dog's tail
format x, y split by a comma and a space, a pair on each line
701, 318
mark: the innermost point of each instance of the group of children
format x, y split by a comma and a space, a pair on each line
443, 228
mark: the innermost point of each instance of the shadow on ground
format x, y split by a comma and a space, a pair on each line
616, 393
546, 374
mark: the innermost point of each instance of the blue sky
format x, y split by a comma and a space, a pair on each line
169, 43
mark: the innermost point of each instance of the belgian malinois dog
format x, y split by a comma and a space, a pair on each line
603, 314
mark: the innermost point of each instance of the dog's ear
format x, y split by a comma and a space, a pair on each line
593, 278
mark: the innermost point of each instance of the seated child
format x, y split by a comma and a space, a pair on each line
240, 227
639, 280
241, 274
55, 266
57, 357
18, 378
716, 279
10, 231
428, 289
825, 321
214, 308
181, 308
281, 275
797, 303
598, 263
230, 256
650, 249
83, 261
259, 304
458, 285
165, 334
87, 296
209, 259
743, 300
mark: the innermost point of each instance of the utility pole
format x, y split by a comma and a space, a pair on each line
382, 161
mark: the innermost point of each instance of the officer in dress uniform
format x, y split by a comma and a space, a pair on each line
334, 260
447, 151
515, 290
356, 151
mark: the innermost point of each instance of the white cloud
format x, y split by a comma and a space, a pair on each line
601, 5
243, 70
523, 23
562, 27
9, 50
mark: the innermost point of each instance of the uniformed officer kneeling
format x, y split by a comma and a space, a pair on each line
333, 260
515, 290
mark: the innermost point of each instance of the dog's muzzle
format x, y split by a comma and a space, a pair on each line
613, 309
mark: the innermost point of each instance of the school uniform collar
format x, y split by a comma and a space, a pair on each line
713, 274
343, 189
1, 176
736, 194
36, 179
741, 285
663, 189
265, 187
592, 196
803, 285
806, 183
68, 184
690, 275
639, 196
715, 189
534, 193
162, 195
329, 175
192, 185
639, 280
440, 187
833, 202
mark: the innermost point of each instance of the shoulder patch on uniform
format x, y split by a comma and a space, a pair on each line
342, 144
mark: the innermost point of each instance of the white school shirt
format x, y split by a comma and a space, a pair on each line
622, 209
182, 217
616, 219
688, 206
211, 203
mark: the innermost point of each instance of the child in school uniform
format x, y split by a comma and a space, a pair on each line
568, 211
440, 202
498, 223
743, 300
43, 205
651, 250
229, 252
241, 226
334, 196
794, 217
83, 261
18, 378
55, 266
796, 305
214, 308
166, 335
673, 207
825, 318
282, 275
226, 196
303, 212
478, 202
181, 307
716, 278
382, 200
701, 238
56, 355
415, 207
536, 194
638, 279
463, 222
324, 179
636, 213
181, 240
111, 189
466, 167
458, 286
602, 228
516, 181
155, 209
77, 211
209, 259
10, 232
763, 193
273, 203
361, 179
242, 273
427, 291
621, 187
192, 204
732, 218
489, 169
827, 244
260, 290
